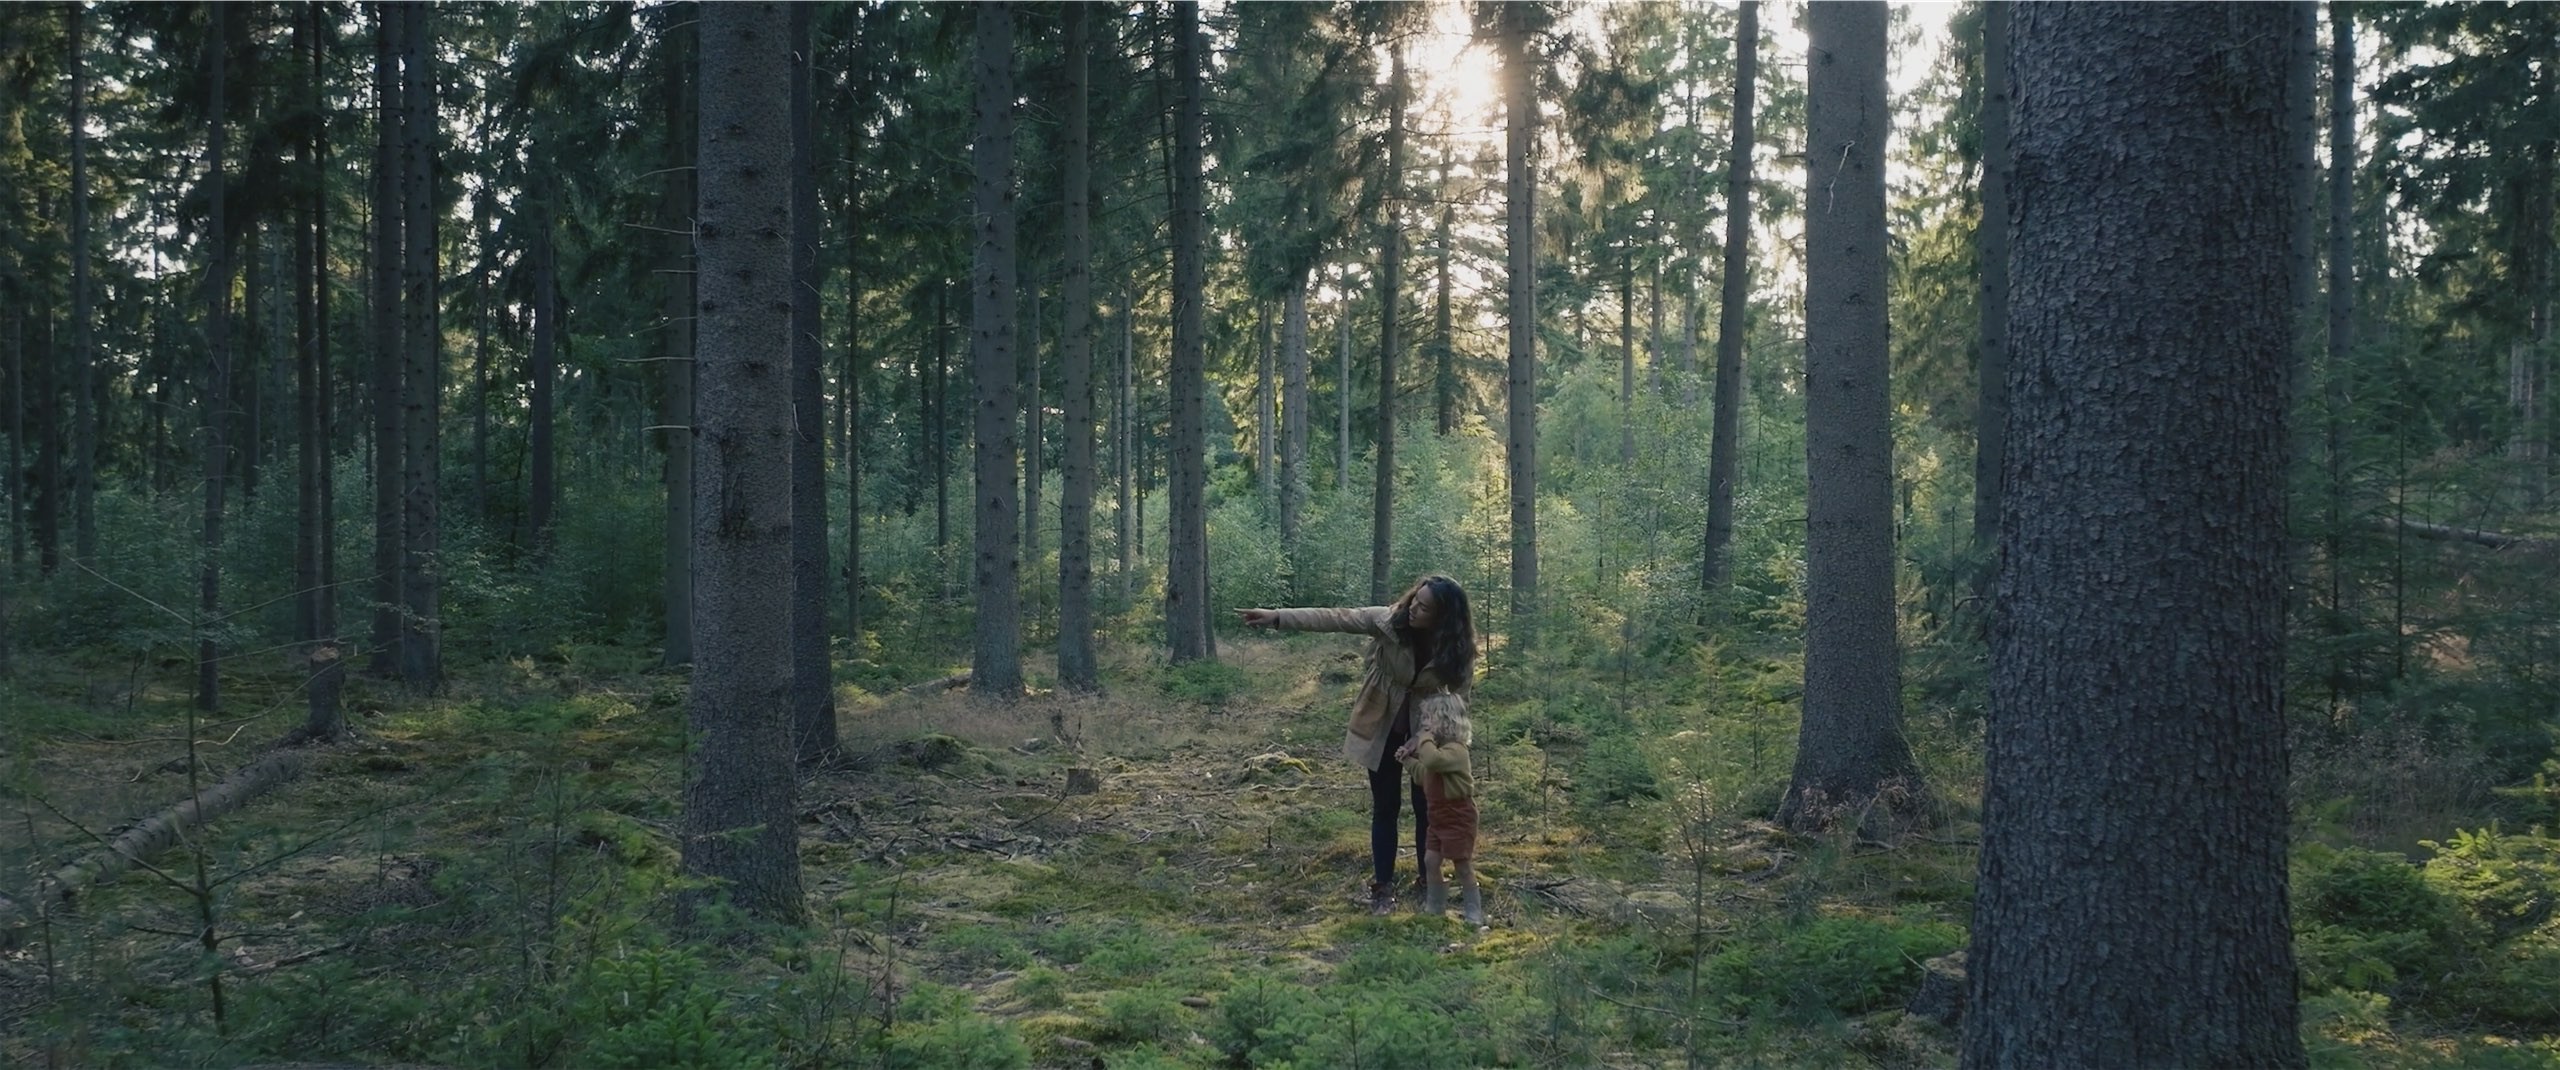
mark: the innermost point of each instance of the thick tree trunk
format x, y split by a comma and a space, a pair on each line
676, 343
217, 392
1382, 506
741, 821
1850, 752
1520, 110
1991, 247
2131, 906
1733, 309
84, 357
311, 518
996, 667
388, 178
813, 701
1187, 561
1076, 669
421, 660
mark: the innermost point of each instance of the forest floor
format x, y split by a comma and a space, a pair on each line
484, 878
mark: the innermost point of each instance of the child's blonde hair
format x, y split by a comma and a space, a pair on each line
1443, 717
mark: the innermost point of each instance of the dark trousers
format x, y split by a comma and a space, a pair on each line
1385, 800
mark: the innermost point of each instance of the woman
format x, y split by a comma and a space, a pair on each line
1422, 645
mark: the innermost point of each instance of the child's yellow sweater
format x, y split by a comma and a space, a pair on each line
1449, 761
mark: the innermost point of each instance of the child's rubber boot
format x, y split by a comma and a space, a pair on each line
1435, 900
1474, 899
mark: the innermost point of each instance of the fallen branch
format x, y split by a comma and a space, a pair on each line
2495, 540
958, 679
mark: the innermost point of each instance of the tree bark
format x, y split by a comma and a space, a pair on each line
813, 702
741, 821
541, 447
1342, 394
1076, 668
1187, 561
996, 667
1266, 409
1382, 509
388, 180
1520, 110
1032, 430
1991, 247
1733, 309
1444, 379
676, 351
84, 357
2131, 906
313, 623
1293, 416
1850, 751
421, 661
217, 392
2342, 329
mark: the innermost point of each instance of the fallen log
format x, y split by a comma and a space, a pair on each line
158, 833
2495, 540
944, 684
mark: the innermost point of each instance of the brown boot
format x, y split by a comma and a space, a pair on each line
1382, 898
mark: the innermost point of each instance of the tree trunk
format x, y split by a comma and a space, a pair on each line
855, 368
1265, 407
1382, 508
2342, 329
741, 819
1124, 433
937, 427
1293, 416
2131, 908
1032, 418
995, 670
1850, 752
1520, 110
813, 701
1444, 378
388, 339
317, 625
1626, 360
1991, 247
1342, 394
217, 390
1733, 309
421, 662
1186, 562
84, 357
1076, 669
676, 350
541, 446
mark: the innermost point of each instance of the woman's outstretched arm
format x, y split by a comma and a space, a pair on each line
1365, 620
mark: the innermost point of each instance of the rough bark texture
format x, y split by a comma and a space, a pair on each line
740, 818
1850, 749
215, 400
1733, 310
2131, 907
996, 668
675, 354
813, 702
1520, 445
421, 661
1382, 506
1076, 668
389, 115
1186, 587
1991, 247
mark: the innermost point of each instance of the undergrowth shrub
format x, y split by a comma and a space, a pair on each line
1842, 964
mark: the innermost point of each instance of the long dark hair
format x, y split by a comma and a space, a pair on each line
1448, 650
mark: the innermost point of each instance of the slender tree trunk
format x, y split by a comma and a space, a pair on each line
1265, 407
421, 662
1032, 431
676, 368
1627, 360
1520, 110
1293, 417
1991, 245
995, 671
1187, 568
1444, 379
856, 366
1076, 669
937, 422
323, 719
1342, 395
2342, 328
541, 446
481, 209
217, 392
2132, 905
250, 356
1733, 309
813, 701
49, 447
1851, 751
84, 360
741, 818
1382, 509
1124, 432
391, 112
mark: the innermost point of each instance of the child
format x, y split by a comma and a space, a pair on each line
1439, 754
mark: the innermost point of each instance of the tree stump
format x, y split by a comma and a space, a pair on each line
1082, 780
1941, 995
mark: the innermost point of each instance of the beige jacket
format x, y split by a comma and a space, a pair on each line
1392, 680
